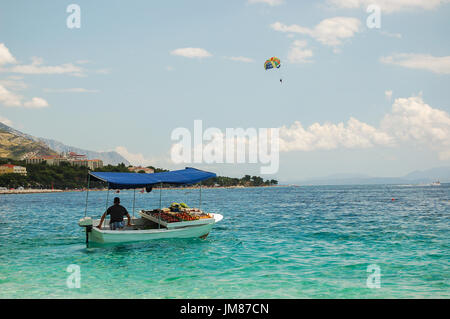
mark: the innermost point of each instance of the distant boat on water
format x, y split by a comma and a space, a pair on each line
437, 183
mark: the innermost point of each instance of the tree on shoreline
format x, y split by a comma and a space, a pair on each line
66, 176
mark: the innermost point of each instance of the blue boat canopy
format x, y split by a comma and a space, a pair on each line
188, 175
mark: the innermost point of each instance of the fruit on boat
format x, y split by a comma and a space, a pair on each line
186, 216
169, 218
169, 215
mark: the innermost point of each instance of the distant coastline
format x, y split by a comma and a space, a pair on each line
37, 191
65, 176
29, 191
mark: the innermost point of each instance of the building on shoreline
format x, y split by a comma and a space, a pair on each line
50, 160
12, 169
71, 158
74, 156
91, 164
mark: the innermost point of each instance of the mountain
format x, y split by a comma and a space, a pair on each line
441, 174
112, 157
17, 145
438, 173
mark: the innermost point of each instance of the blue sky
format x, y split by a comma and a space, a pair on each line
117, 83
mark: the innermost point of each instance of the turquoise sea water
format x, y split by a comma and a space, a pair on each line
284, 242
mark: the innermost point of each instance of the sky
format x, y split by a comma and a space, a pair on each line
357, 97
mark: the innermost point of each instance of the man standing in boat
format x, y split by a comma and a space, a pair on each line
116, 213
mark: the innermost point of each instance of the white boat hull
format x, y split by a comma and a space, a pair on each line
121, 236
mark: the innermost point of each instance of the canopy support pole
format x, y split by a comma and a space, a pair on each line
87, 194
160, 206
107, 198
134, 200
200, 204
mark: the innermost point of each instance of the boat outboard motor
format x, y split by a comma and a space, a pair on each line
87, 223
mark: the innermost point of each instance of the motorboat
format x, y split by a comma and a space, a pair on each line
156, 223
142, 230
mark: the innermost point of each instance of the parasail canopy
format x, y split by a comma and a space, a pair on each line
116, 180
272, 63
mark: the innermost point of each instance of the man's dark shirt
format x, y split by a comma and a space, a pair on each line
116, 212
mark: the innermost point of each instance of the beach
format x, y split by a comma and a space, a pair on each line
30, 191
36, 191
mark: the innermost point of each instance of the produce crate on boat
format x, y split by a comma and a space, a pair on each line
170, 220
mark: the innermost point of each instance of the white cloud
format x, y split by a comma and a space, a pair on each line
439, 65
37, 67
13, 83
390, 6
298, 53
413, 121
330, 32
191, 53
240, 59
134, 158
36, 103
410, 122
9, 98
71, 90
269, 2
330, 136
6, 56
278, 26
5, 121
